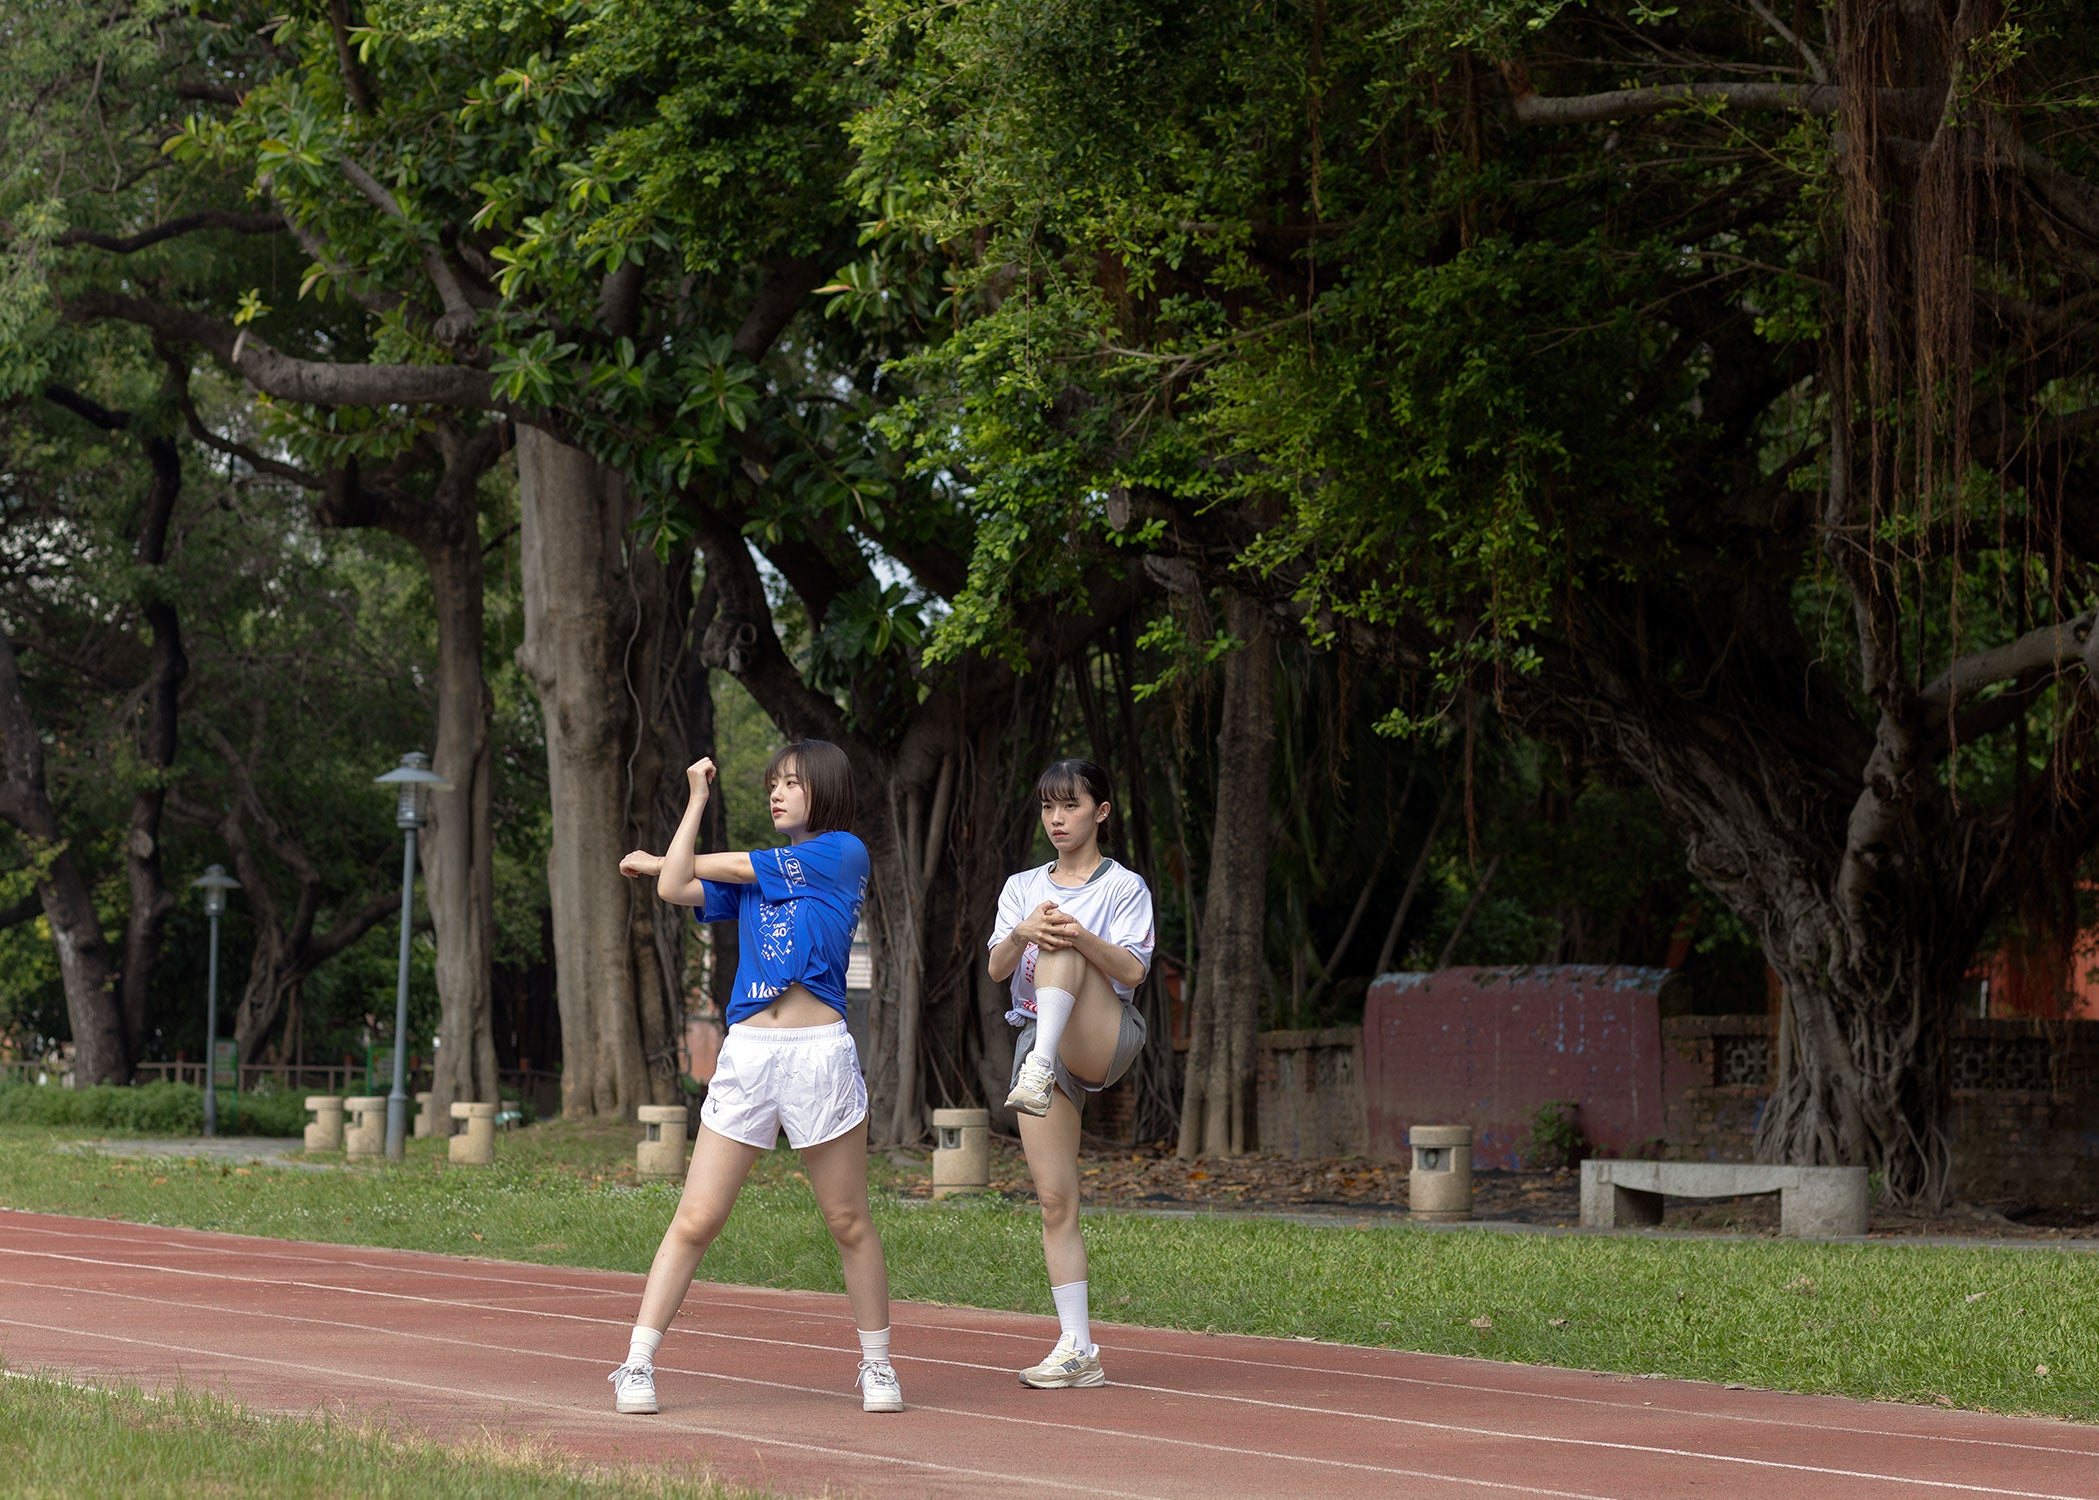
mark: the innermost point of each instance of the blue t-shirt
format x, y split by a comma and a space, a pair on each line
795, 923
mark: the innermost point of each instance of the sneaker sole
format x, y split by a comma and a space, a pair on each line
636, 1409
896, 1405
1066, 1383
1027, 1106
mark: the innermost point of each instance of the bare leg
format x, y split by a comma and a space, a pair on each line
838, 1176
719, 1167
1052, 1146
1088, 1045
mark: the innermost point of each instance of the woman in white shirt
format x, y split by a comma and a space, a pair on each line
1075, 936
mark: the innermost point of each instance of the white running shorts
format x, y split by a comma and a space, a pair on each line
801, 1079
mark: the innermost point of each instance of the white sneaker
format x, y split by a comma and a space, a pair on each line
633, 1388
1031, 1091
879, 1389
1066, 1367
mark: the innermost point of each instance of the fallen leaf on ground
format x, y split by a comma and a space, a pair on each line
1556, 1322
1483, 1322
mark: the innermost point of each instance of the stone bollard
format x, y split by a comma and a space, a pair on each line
662, 1150
961, 1151
325, 1133
425, 1122
1440, 1186
474, 1146
365, 1134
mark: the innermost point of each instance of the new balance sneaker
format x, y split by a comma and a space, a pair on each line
1066, 1367
633, 1388
879, 1389
1031, 1091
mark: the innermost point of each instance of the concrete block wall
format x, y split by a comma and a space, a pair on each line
1309, 1092
1703, 1117
2025, 1101
2030, 1130
2025, 1118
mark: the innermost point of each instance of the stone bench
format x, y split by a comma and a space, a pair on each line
1816, 1201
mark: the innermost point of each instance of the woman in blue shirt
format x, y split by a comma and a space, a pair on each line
787, 1062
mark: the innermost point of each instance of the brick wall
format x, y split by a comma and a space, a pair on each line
1309, 1092
1486, 1047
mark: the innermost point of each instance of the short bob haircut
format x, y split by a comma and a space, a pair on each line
1066, 780
826, 774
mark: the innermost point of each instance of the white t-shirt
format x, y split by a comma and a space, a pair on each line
1115, 904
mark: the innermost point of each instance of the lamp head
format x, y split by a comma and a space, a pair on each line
416, 781
215, 883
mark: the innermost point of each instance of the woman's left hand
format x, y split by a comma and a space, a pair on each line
1061, 929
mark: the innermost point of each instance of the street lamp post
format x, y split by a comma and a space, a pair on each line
215, 883
416, 781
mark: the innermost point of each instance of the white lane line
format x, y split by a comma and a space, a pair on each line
1200, 1395
1006, 1479
770, 1305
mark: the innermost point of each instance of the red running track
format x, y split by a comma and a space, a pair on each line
757, 1384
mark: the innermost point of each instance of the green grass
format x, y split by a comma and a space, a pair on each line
1970, 1327
58, 1439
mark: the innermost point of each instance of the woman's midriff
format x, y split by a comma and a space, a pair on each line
793, 1006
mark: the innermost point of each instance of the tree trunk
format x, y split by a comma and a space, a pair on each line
1216, 1103
720, 937
595, 603
1870, 972
151, 901
83, 956
1866, 1081
910, 854
458, 847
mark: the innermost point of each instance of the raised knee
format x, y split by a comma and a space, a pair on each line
1063, 970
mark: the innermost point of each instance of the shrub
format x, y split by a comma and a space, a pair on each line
149, 1109
1555, 1143
271, 1112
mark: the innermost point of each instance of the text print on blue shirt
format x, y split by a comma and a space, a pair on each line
795, 922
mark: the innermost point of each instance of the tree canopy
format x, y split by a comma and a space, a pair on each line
1643, 416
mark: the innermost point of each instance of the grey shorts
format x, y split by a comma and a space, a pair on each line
1128, 1043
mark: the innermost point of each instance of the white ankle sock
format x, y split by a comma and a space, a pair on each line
1071, 1313
1052, 1010
642, 1345
875, 1346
